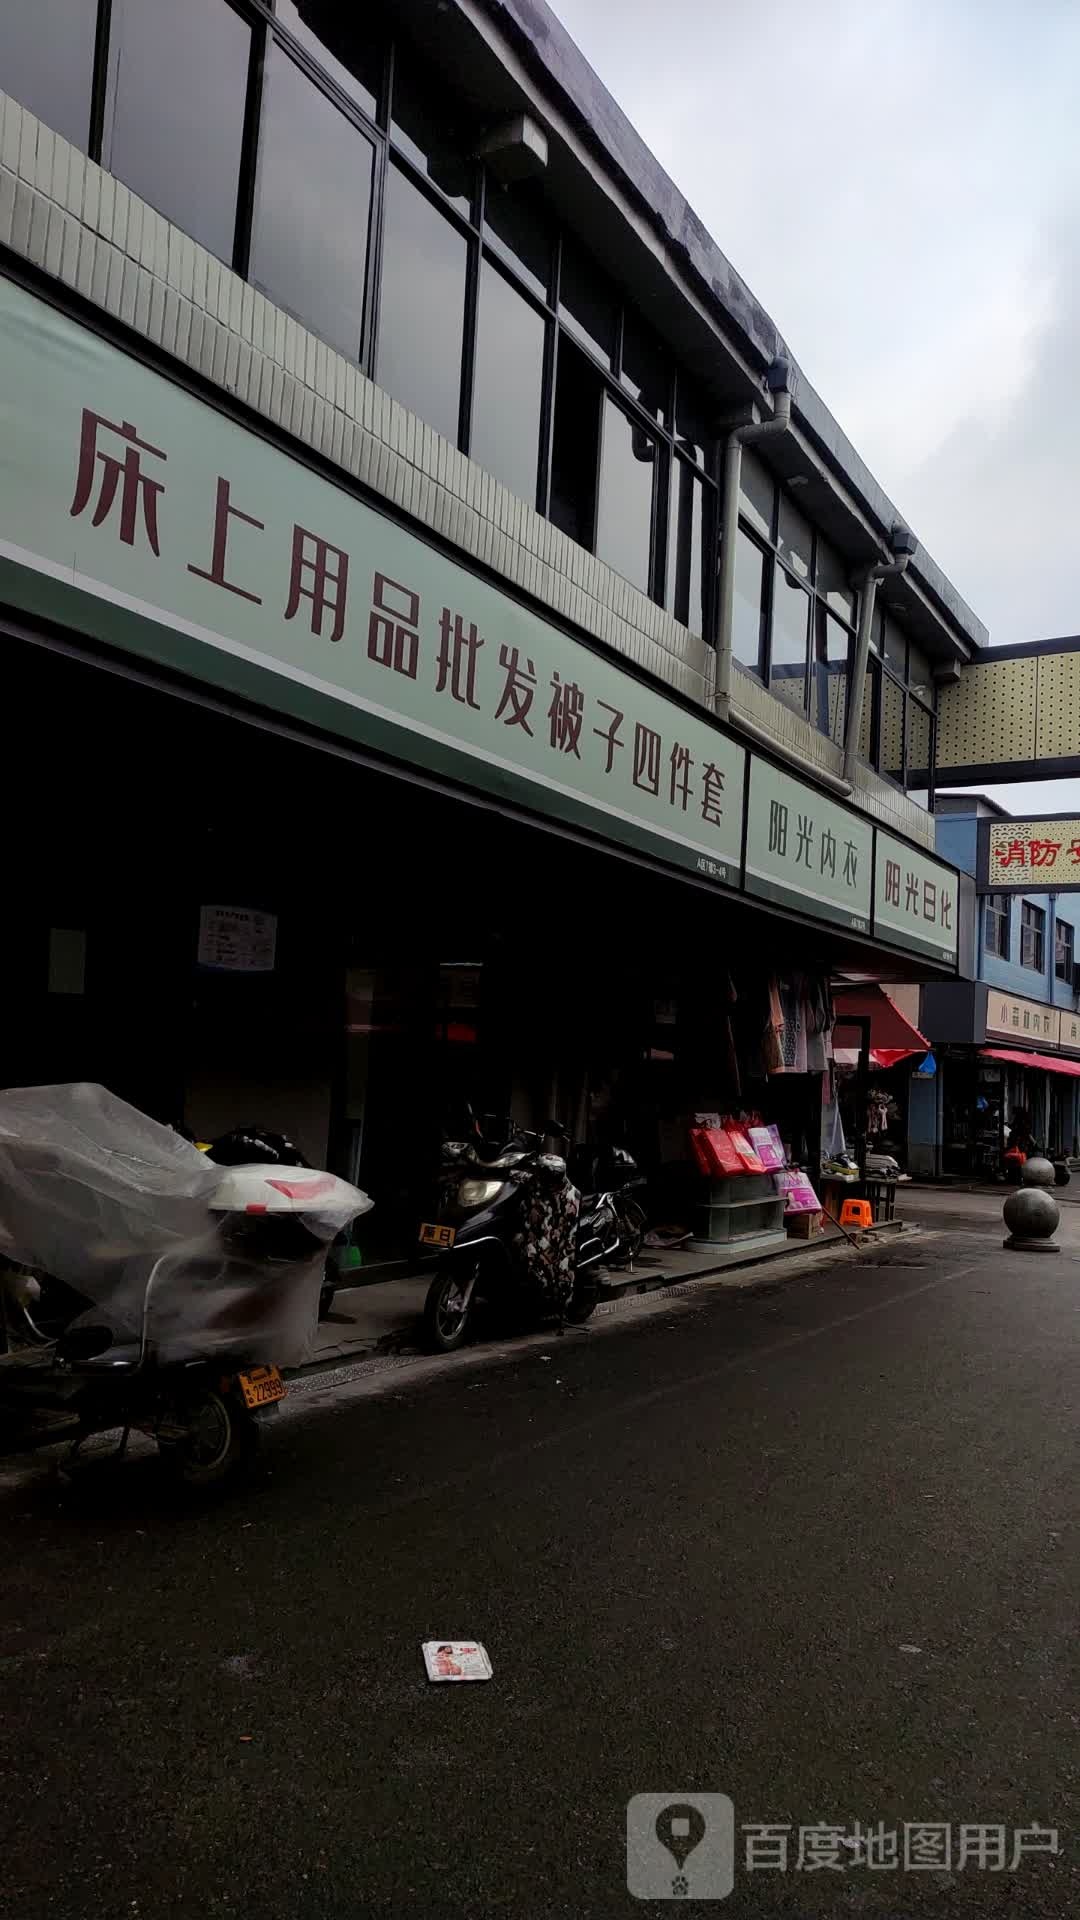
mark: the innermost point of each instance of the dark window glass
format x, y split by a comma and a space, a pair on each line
624, 517
347, 53
796, 539
832, 582
997, 924
829, 694
179, 82
47, 61
686, 547
692, 428
749, 594
920, 678
507, 385
422, 306
420, 128
313, 202
586, 303
920, 729
891, 756
790, 633
1063, 950
1032, 931
574, 445
895, 643
645, 371
757, 494
520, 233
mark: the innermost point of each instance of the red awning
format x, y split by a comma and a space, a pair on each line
892, 1036
1045, 1062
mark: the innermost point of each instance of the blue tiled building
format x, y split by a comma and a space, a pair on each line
1009, 1040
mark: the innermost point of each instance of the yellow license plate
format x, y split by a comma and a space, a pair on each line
434, 1236
261, 1386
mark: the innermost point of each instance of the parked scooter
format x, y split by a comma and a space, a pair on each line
504, 1210
258, 1147
611, 1174
203, 1281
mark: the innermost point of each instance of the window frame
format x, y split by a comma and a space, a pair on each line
1033, 937
820, 608
996, 914
1064, 945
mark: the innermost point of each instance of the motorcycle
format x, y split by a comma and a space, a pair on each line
612, 1173
512, 1230
202, 1282
256, 1146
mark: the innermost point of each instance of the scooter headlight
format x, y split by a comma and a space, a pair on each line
479, 1193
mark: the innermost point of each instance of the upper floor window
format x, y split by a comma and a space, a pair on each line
345, 51
47, 61
1063, 951
794, 609
309, 241
174, 123
901, 688
1032, 937
425, 268
997, 924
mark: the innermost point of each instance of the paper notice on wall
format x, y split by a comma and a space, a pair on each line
237, 939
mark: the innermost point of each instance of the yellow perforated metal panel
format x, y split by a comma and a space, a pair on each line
990, 716
866, 720
1059, 705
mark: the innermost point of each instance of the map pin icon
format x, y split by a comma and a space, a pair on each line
680, 1828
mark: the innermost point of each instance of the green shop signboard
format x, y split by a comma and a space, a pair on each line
916, 899
806, 851
162, 526
141, 515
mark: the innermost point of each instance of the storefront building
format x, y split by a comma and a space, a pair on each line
360, 526
1007, 1043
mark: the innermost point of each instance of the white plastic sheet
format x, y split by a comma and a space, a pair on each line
101, 1196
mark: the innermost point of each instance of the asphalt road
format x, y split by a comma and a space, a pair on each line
815, 1549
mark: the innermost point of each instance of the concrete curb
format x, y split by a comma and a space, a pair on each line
770, 1270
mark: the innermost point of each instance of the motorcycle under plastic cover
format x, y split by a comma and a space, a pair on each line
100, 1195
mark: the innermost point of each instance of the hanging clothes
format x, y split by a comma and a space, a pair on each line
818, 1024
772, 1040
793, 1032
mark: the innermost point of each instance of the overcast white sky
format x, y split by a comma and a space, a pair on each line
899, 184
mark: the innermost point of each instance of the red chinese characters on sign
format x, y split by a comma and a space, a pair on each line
224, 511
139, 492
519, 688
119, 481
320, 575
458, 648
1035, 852
565, 715
394, 626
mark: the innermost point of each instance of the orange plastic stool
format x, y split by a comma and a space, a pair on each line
856, 1213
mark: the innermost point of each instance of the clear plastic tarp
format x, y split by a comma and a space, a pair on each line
123, 1209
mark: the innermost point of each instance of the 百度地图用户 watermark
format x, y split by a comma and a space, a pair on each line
688, 1846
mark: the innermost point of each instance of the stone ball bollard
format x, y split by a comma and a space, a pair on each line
1032, 1215
1038, 1171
